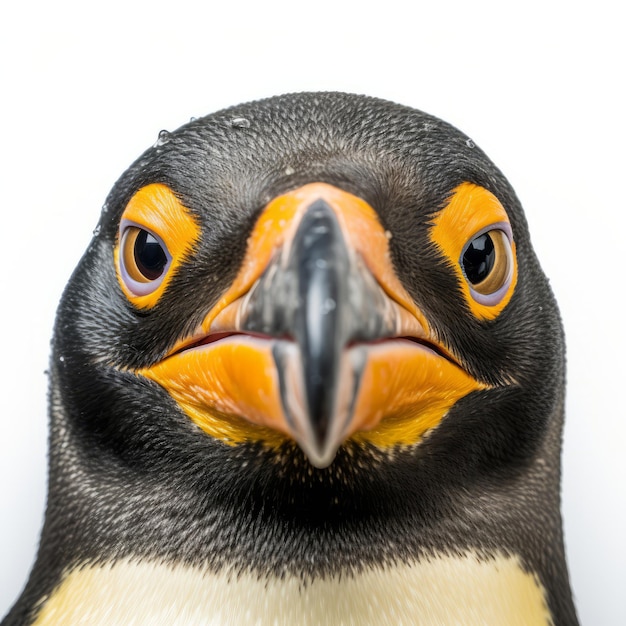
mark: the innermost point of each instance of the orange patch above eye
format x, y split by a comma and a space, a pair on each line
475, 217
156, 210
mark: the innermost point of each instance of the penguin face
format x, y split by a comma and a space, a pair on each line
312, 279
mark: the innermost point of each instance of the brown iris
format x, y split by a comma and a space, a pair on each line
143, 255
487, 261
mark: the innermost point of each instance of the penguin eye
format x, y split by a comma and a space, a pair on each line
144, 259
144, 264
487, 263
474, 235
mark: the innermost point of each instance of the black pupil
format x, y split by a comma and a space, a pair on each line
479, 258
149, 256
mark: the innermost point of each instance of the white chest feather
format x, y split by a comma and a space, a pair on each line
443, 591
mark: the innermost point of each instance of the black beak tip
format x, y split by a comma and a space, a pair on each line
320, 455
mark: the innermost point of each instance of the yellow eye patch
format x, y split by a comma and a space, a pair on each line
474, 234
157, 232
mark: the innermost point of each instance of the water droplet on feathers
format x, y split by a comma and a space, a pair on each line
240, 122
163, 138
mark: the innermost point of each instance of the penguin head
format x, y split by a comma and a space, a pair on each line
312, 289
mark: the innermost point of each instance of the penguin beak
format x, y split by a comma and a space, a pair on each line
316, 338
318, 294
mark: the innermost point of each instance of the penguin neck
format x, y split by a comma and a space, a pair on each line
102, 510
310, 523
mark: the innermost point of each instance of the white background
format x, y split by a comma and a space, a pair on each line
538, 85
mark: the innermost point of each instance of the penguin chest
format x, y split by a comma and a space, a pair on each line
443, 590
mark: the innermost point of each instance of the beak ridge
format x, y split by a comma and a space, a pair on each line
320, 258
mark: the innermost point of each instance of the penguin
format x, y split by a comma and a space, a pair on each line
309, 371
